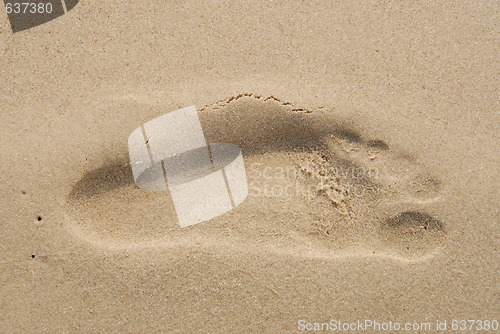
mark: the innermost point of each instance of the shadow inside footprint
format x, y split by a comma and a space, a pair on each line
412, 232
115, 175
414, 221
378, 144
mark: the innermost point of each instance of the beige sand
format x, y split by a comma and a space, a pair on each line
404, 95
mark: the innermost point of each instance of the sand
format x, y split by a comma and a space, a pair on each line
369, 133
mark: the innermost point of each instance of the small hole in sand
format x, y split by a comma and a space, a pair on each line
39, 218
32, 256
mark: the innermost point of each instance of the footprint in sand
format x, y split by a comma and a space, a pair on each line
316, 189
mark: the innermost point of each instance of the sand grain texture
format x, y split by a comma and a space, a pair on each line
369, 133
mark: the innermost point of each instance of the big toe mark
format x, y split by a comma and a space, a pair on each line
413, 232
